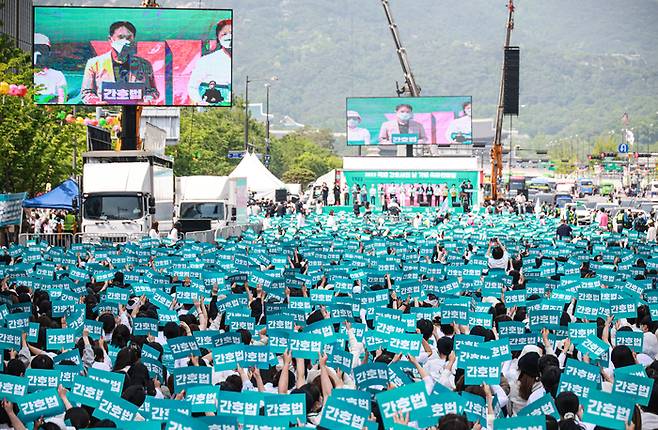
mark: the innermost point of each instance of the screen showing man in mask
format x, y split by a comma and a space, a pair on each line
133, 56
424, 122
119, 74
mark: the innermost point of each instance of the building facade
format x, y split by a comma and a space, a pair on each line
16, 22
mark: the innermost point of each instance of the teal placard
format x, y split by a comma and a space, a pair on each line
580, 331
482, 371
145, 326
582, 370
10, 339
404, 343
239, 404
580, 387
292, 406
370, 375
191, 376
87, 391
338, 414
60, 338
304, 345
633, 340
115, 408
44, 403
41, 379
639, 387
228, 357
202, 398
545, 405
13, 387
607, 410
111, 380
475, 407
183, 346
412, 399
442, 404
594, 346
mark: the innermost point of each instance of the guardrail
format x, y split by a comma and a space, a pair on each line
111, 238
52, 239
200, 236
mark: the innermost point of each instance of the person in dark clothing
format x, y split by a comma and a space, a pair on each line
564, 230
336, 195
212, 94
325, 194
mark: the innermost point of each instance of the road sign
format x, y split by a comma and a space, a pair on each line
235, 155
622, 148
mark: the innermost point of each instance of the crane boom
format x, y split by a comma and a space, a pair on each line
410, 87
497, 147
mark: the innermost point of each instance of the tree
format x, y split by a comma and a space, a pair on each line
206, 138
298, 175
36, 144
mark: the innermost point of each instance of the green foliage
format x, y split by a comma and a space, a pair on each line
298, 175
36, 145
300, 150
206, 136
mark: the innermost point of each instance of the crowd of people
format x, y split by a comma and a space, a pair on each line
481, 320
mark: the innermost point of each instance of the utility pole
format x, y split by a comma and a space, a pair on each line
246, 113
267, 125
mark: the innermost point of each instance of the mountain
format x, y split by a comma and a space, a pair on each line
583, 63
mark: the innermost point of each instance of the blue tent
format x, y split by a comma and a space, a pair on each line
61, 197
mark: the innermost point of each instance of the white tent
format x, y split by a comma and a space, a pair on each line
259, 179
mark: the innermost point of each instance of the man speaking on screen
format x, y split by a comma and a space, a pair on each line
402, 124
214, 67
119, 76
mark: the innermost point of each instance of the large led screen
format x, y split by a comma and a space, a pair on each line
133, 56
409, 121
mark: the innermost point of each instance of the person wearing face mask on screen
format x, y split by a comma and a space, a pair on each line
459, 130
356, 134
119, 65
213, 67
50, 83
402, 124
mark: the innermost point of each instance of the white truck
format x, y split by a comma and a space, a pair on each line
202, 202
125, 192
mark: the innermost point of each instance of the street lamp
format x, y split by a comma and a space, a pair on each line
246, 106
267, 124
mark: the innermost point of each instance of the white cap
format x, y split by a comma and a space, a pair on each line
350, 113
41, 39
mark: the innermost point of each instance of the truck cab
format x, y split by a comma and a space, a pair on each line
586, 187
125, 192
202, 203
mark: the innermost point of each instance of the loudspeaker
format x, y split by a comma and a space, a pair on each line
511, 81
281, 195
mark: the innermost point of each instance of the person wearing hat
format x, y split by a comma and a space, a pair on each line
214, 67
50, 83
527, 382
355, 134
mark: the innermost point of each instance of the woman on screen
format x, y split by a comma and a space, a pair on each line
214, 67
402, 124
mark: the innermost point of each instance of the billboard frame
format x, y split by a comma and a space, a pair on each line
440, 145
35, 7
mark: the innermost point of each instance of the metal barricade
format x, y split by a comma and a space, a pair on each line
207, 236
52, 239
108, 238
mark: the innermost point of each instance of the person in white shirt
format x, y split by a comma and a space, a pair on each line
50, 83
215, 66
154, 233
459, 130
651, 232
354, 132
174, 232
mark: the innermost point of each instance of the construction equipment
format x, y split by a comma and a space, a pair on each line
410, 88
497, 147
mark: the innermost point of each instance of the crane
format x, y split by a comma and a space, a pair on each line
410, 88
497, 147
